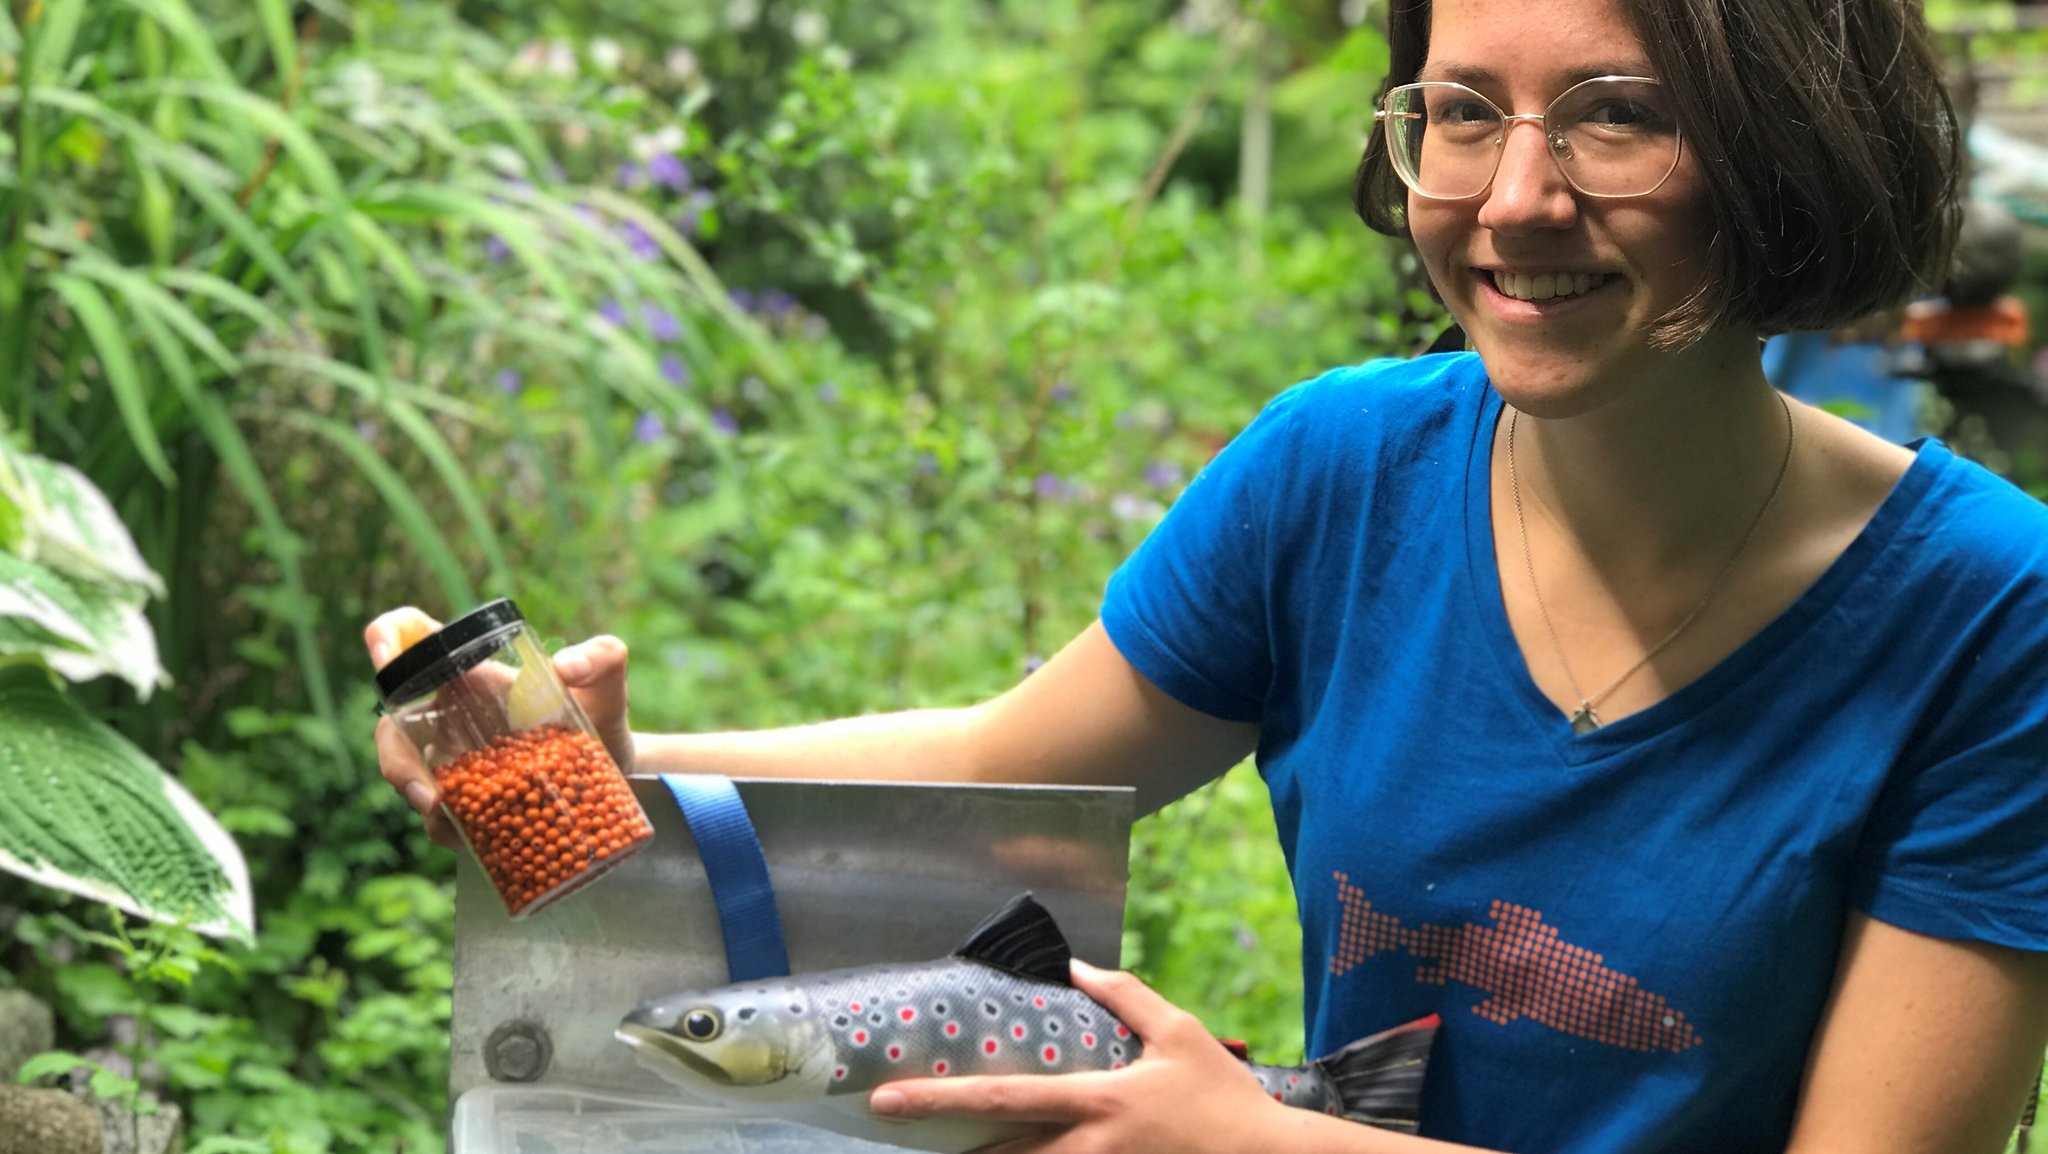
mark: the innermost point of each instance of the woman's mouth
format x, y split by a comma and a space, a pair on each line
1545, 286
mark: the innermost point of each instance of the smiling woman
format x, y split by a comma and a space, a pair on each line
1679, 746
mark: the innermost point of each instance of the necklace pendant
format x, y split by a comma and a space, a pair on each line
1585, 720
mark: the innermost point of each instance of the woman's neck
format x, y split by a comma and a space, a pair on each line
1666, 474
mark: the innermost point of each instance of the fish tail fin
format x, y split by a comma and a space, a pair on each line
1379, 1079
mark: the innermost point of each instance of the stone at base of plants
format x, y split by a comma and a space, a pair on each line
27, 1028
34, 1121
127, 1133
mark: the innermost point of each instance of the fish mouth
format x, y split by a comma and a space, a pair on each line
645, 1039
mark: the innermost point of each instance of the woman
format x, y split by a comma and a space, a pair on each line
1681, 746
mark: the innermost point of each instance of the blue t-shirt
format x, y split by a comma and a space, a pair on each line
1629, 933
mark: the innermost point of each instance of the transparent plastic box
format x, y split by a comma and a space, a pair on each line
522, 772
567, 1120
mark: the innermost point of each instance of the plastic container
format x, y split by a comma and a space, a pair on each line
521, 771
574, 1120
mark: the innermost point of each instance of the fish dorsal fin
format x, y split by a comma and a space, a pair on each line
1022, 939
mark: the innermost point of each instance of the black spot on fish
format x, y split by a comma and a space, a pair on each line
796, 1010
842, 1021
1017, 997
938, 1007
1116, 1050
1084, 1017
990, 1010
1052, 1025
876, 1018
746, 1014
902, 992
970, 991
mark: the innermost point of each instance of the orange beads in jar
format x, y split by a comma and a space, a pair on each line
532, 789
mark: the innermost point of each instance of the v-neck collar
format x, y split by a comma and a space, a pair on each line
1748, 663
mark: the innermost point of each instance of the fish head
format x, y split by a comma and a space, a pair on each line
738, 1043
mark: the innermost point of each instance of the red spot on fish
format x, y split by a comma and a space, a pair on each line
952, 1029
895, 1053
1116, 1065
1051, 1054
1279, 1097
1088, 1040
988, 1046
1294, 1079
940, 1068
1039, 1001
1123, 1031
860, 1037
839, 1073
1017, 1032
907, 1013
1330, 1110
854, 1006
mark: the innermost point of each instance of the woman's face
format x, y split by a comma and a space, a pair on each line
1567, 354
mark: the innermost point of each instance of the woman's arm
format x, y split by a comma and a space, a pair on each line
1085, 718
1926, 1047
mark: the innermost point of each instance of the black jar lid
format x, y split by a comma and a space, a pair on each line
438, 657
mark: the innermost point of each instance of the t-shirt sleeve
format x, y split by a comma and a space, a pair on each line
1957, 846
1190, 609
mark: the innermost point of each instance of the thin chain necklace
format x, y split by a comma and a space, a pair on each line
1584, 720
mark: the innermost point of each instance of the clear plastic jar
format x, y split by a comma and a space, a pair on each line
521, 771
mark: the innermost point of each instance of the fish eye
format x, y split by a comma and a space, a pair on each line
701, 1025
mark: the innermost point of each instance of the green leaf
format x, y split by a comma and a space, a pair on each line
50, 1065
83, 631
76, 531
84, 811
117, 361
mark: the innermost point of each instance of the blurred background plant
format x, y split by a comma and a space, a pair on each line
833, 352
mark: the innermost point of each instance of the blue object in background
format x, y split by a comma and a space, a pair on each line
1852, 380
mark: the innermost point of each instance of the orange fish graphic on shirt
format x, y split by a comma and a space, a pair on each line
1524, 967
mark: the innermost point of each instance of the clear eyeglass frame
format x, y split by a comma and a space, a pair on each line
1554, 139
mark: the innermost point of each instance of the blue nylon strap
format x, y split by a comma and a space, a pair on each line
738, 873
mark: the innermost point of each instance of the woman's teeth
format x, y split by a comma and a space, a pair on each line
1547, 286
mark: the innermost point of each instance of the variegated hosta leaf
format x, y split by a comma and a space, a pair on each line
17, 498
77, 532
83, 631
84, 811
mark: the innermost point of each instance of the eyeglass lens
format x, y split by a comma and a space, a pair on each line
1611, 136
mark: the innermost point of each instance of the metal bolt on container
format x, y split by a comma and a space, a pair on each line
517, 1052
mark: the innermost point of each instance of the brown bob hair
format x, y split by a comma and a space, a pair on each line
1829, 145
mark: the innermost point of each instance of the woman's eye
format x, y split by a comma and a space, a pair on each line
1464, 112
1622, 114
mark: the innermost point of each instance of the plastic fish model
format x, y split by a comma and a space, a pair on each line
810, 1048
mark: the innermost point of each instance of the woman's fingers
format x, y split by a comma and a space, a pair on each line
1062, 1099
393, 632
595, 672
400, 765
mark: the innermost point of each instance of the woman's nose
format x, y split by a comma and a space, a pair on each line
1529, 191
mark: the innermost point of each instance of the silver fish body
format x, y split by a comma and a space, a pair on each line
812, 1047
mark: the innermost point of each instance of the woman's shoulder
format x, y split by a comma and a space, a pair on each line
1388, 396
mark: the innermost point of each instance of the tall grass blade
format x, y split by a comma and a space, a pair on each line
118, 365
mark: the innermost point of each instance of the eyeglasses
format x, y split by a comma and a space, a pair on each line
1611, 136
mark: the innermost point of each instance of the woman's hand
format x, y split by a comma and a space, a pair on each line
594, 671
1187, 1093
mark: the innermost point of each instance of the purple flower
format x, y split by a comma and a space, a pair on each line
510, 382
1063, 390
724, 422
661, 324
613, 312
776, 304
648, 428
1051, 487
829, 393
630, 175
742, 299
1162, 474
669, 172
927, 464
639, 241
495, 249
694, 208
1033, 663
673, 370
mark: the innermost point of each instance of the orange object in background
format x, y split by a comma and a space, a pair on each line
2003, 321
